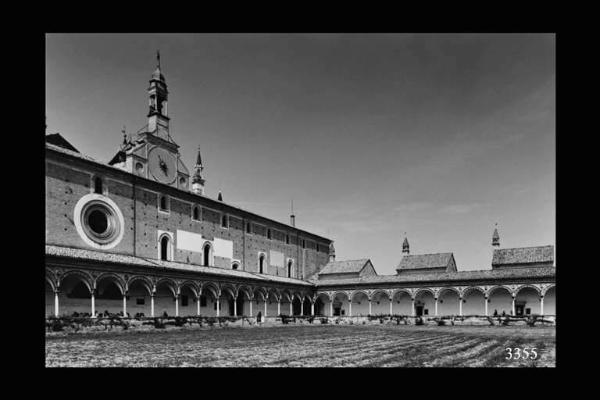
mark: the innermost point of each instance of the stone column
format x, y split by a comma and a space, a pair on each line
177, 306
198, 305
349, 308
218, 306
312, 309
460, 303
302, 307
152, 305
278, 307
265, 308
291, 307
370, 307
331, 308
391, 306
486, 305
436, 306
541, 305
235, 306
413, 310
251, 300
124, 305
513, 312
93, 305
56, 311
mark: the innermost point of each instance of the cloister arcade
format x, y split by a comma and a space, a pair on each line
527, 299
90, 294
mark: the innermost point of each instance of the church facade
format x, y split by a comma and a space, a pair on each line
138, 236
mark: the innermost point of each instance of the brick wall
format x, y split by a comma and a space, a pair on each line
68, 180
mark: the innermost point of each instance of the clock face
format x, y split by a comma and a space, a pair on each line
162, 165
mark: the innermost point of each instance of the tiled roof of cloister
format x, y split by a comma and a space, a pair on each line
346, 266
441, 277
523, 255
422, 261
97, 256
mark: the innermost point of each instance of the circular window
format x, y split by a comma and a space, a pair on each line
99, 221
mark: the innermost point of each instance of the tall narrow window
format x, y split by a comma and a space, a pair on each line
261, 263
224, 221
98, 185
164, 248
287, 239
196, 213
268, 234
206, 253
289, 268
248, 228
163, 203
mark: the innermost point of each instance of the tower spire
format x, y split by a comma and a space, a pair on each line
197, 179
158, 59
158, 120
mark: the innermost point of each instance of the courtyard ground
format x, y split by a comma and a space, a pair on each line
306, 346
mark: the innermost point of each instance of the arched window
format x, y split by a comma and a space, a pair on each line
164, 248
248, 228
235, 266
196, 213
98, 185
206, 253
224, 221
287, 239
261, 263
290, 263
303, 244
268, 234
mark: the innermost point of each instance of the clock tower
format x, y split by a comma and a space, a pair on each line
152, 153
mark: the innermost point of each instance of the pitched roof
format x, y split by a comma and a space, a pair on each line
57, 140
489, 275
523, 255
91, 255
422, 261
344, 267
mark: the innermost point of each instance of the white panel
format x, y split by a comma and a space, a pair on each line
189, 241
223, 248
276, 258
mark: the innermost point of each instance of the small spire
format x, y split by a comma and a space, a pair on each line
292, 216
158, 59
331, 252
405, 245
220, 198
496, 236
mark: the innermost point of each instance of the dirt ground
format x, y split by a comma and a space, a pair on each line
307, 346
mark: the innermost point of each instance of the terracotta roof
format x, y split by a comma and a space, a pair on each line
344, 267
422, 261
481, 275
91, 255
523, 255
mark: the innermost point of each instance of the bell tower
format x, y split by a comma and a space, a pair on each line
158, 120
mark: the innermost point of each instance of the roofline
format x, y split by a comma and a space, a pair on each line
86, 158
528, 247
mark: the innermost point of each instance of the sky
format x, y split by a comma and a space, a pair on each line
372, 135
